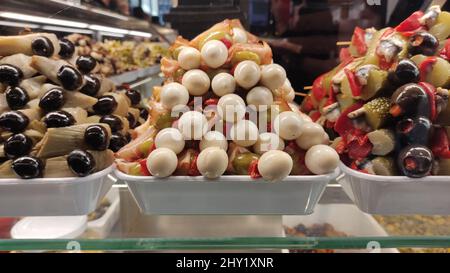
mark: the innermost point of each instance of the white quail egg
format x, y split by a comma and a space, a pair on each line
247, 74
173, 94
214, 139
321, 159
260, 97
267, 142
162, 162
196, 81
189, 58
312, 134
212, 162
275, 165
222, 84
273, 76
193, 125
239, 36
231, 108
170, 138
244, 133
214, 53
288, 125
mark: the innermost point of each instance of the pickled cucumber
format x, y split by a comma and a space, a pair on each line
439, 76
377, 112
345, 101
441, 29
245, 56
384, 166
376, 81
383, 141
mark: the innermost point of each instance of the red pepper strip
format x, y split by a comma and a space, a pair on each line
212, 101
440, 143
445, 52
344, 55
359, 146
411, 23
408, 34
431, 92
227, 42
315, 115
359, 41
253, 170
341, 147
344, 124
307, 105
426, 66
317, 89
193, 170
144, 169
355, 86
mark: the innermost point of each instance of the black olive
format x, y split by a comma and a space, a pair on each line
81, 163
128, 137
105, 105
117, 142
16, 97
42, 46
410, 100
52, 100
407, 72
58, 119
134, 96
28, 167
96, 137
131, 120
14, 121
415, 161
423, 43
10, 75
92, 85
144, 113
17, 145
86, 64
69, 78
67, 48
114, 122
414, 131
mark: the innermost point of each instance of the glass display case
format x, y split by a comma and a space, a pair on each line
348, 210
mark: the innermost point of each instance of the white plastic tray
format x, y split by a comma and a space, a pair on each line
101, 228
388, 195
53, 196
344, 218
227, 195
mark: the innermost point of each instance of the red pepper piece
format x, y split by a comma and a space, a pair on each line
307, 105
317, 89
344, 55
193, 170
411, 23
440, 143
227, 42
355, 86
144, 169
426, 66
360, 147
253, 170
445, 52
359, 41
431, 92
341, 147
344, 124
315, 115
212, 101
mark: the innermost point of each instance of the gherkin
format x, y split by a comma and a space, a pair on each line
377, 112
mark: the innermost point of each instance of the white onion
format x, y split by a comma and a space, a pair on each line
260, 97
239, 36
189, 58
288, 125
214, 139
273, 76
214, 53
247, 74
162, 162
321, 159
244, 133
231, 108
170, 138
222, 84
267, 142
196, 81
275, 165
212, 162
173, 94
193, 125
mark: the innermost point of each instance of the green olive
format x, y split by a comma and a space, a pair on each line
418, 59
440, 74
144, 147
164, 121
178, 75
242, 162
245, 56
371, 55
441, 30
384, 166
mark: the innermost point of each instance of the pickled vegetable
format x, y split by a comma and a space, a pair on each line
384, 166
243, 161
383, 141
245, 56
376, 81
344, 101
439, 76
215, 35
441, 30
376, 112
